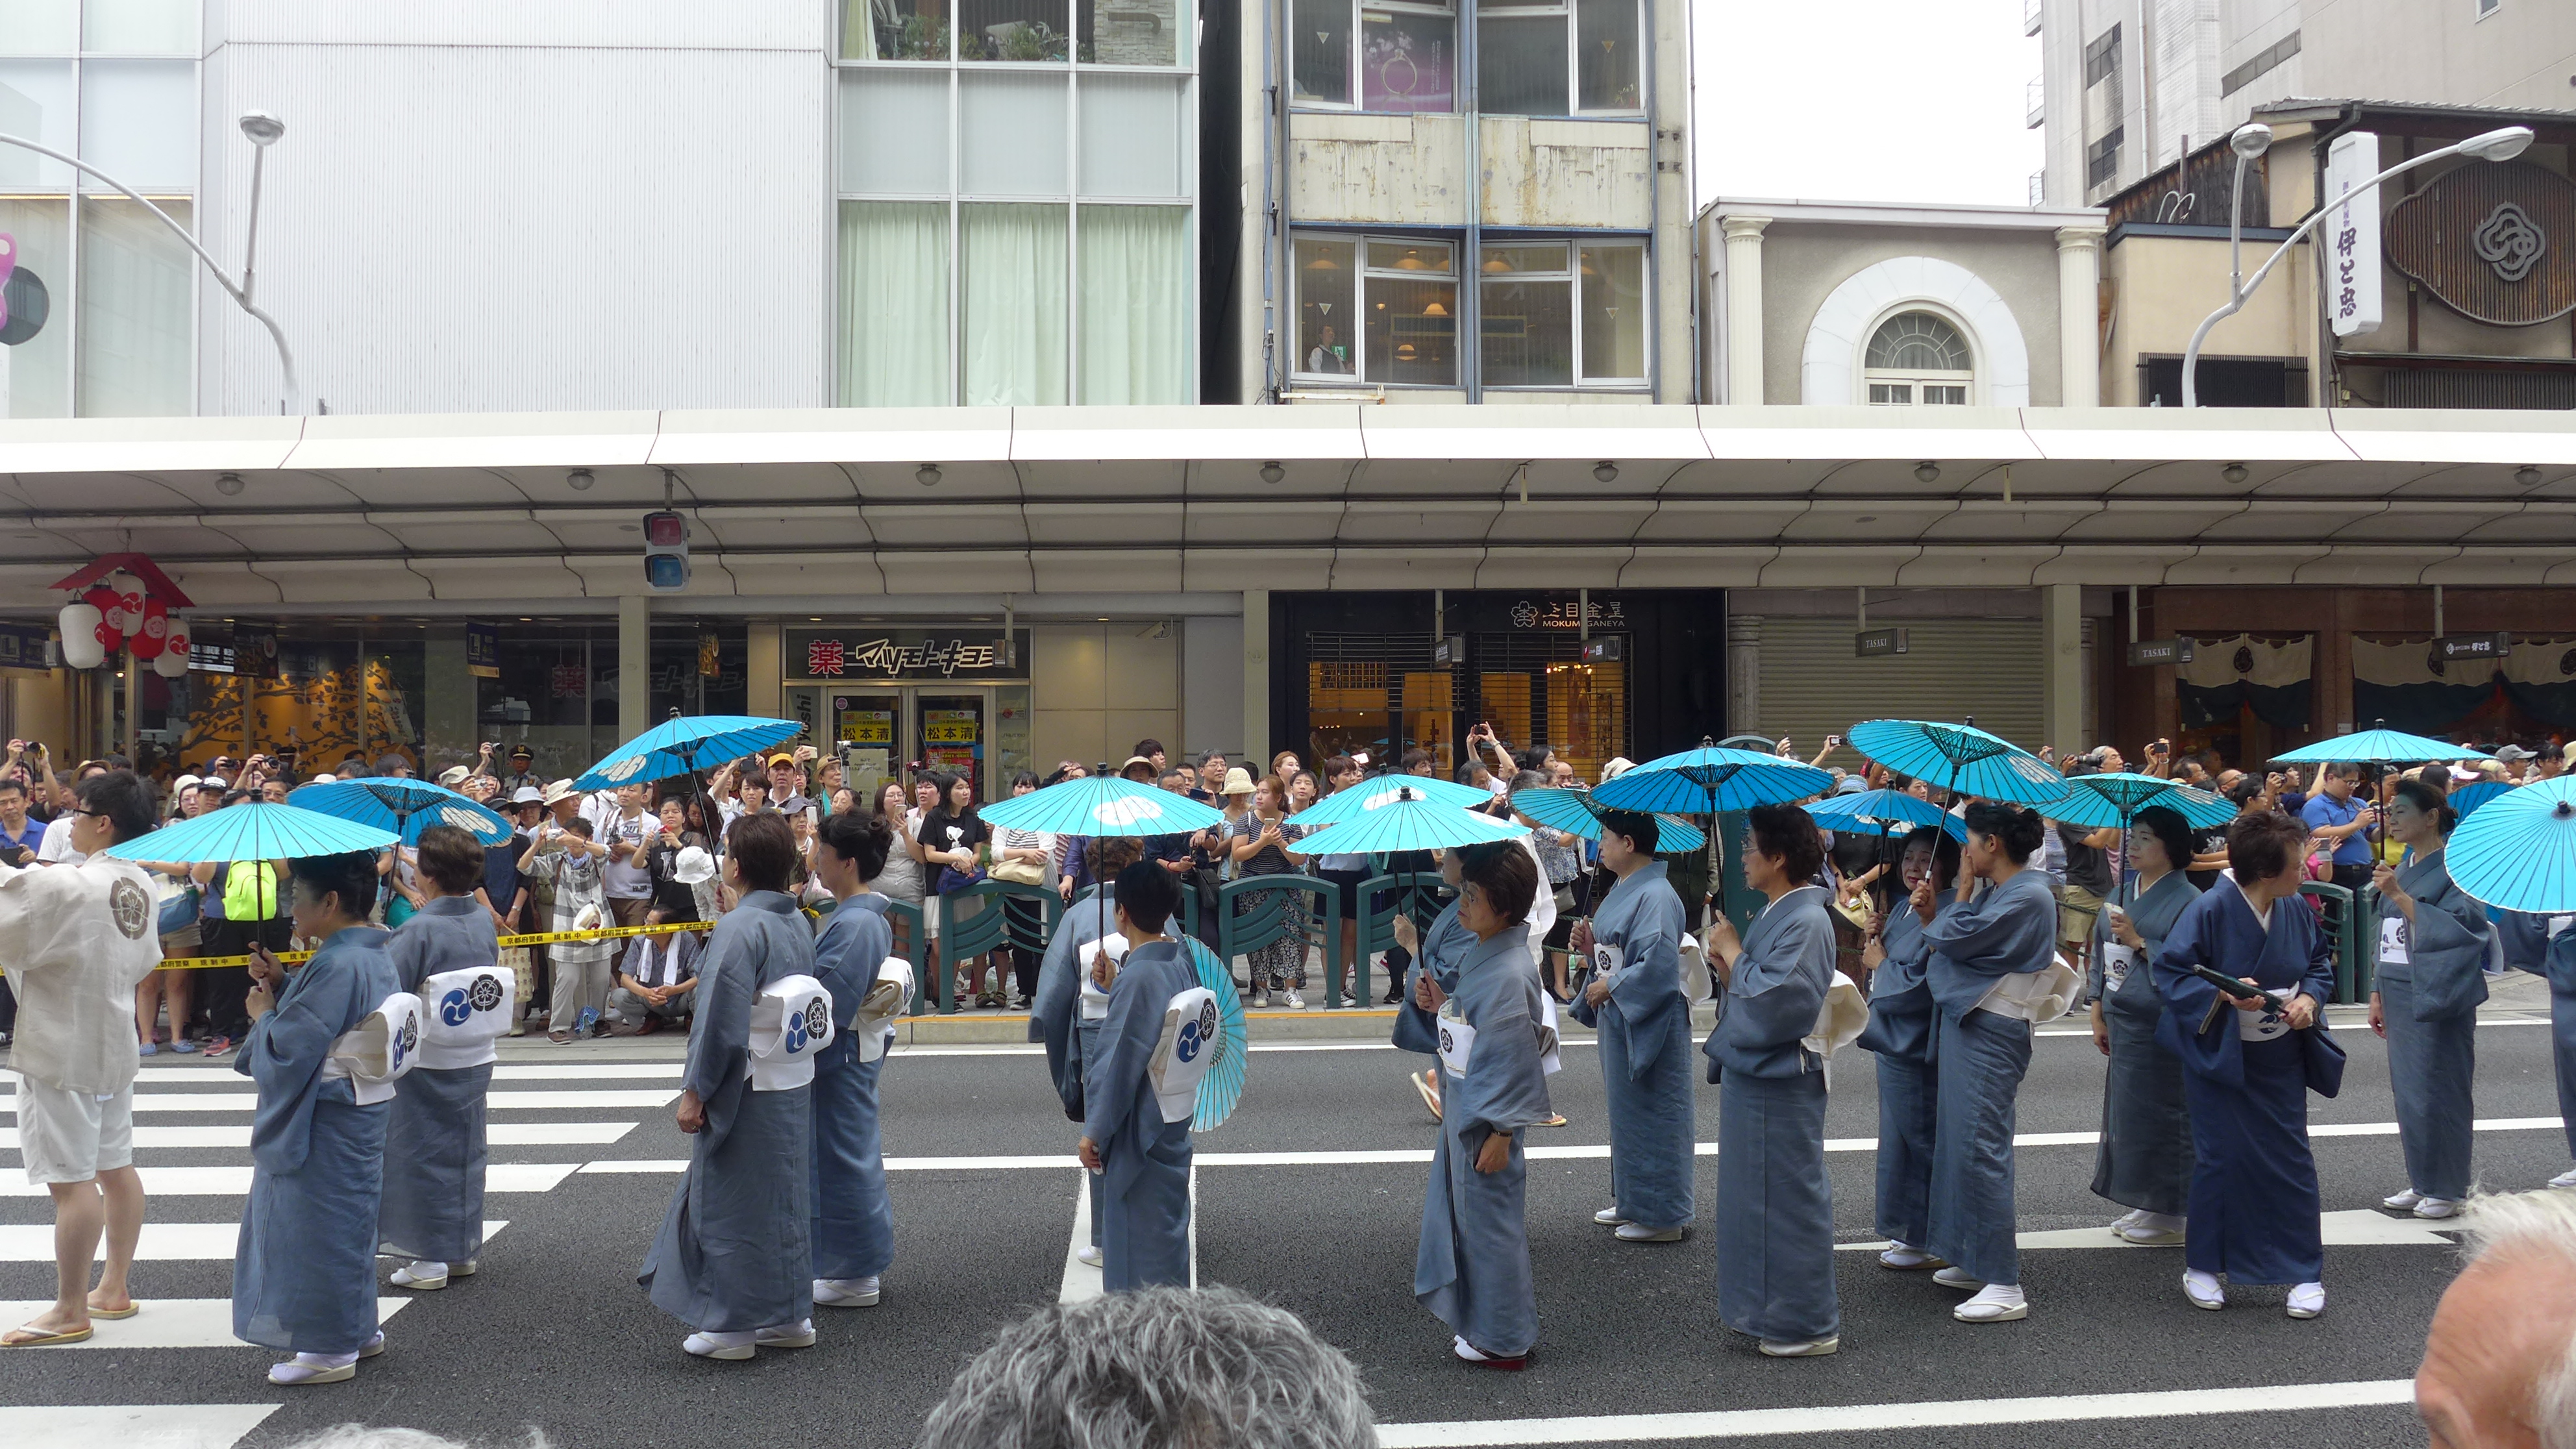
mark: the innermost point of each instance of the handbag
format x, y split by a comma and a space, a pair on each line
1020, 872
179, 909
2321, 1057
953, 880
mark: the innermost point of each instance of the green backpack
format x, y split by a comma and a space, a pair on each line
250, 891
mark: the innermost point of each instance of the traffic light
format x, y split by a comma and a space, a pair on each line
666, 550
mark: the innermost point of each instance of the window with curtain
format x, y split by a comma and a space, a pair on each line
1014, 313
1918, 358
35, 343
1134, 306
894, 304
134, 348
1559, 57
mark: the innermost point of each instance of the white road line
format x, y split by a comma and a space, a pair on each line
499, 1134
561, 1100
1081, 1280
1940, 1414
2351, 1228
171, 1323
162, 1242
158, 1426
584, 1071
1194, 1220
234, 1181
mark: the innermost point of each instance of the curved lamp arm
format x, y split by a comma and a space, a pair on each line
285, 357
2498, 145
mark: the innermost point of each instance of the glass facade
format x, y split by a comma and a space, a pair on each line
1560, 313
100, 294
1016, 181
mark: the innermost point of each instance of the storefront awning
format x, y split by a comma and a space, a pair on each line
809, 506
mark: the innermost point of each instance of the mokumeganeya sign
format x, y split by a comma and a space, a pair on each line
869, 653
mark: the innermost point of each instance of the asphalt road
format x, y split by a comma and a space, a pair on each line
554, 1333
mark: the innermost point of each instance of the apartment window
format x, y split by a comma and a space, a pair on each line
2102, 158
100, 293
1022, 32
1035, 250
1377, 310
1918, 359
1559, 57
1377, 55
2489, 7
2102, 57
1562, 313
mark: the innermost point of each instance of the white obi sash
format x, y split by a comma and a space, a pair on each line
375, 1053
1094, 1001
2034, 996
1457, 1039
2392, 941
1188, 1046
887, 996
2262, 1023
465, 1013
791, 1023
1840, 1020
2117, 962
1550, 1060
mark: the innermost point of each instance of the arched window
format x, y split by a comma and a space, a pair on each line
1918, 358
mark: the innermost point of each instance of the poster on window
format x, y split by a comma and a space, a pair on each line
867, 727
483, 651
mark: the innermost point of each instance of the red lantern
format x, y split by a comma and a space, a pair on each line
150, 634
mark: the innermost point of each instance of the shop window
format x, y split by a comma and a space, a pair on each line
1559, 57
1404, 292
1918, 359
1378, 55
1557, 312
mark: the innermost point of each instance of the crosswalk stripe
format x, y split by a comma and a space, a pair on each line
585, 1071
2350, 1228
170, 1323
163, 1426
562, 1100
499, 1134
162, 1242
234, 1181
1862, 1418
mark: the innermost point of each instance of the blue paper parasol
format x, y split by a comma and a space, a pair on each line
1103, 805
2379, 745
1370, 795
1409, 824
1575, 813
405, 807
1222, 1087
2470, 797
1960, 758
2518, 853
2112, 802
684, 746
1710, 780
254, 830
1890, 811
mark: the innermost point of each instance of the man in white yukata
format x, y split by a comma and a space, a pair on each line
76, 939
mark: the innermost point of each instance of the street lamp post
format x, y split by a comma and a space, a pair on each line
263, 130
2252, 140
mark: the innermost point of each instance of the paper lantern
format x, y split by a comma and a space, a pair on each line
152, 630
173, 662
82, 647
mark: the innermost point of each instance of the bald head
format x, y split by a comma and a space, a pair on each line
2499, 1368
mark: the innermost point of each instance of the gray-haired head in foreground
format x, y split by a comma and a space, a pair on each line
1160, 1368
360, 1436
2515, 1228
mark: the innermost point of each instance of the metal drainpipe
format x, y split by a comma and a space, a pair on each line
1471, 292
1690, 179
1271, 234
1654, 208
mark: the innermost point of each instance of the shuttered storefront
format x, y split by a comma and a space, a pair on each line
1813, 687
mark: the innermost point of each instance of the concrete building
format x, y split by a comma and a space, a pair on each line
2127, 86
1412, 173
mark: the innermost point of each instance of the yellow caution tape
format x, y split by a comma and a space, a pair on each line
539, 938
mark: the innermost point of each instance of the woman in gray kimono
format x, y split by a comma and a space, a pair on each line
2561, 973
1635, 996
433, 1199
1437, 952
304, 1271
1472, 1267
2432, 975
853, 1223
2145, 1159
1900, 1031
1775, 1210
1983, 1050
732, 1259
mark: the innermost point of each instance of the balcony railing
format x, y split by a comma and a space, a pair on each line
2035, 95
2030, 17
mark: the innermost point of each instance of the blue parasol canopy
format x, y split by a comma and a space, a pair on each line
2112, 802
2518, 853
1103, 805
1370, 795
682, 746
1710, 780
405, 807
2380, 745
254, 830
2470, 797
1575, 813
1960, 758
1222, 1087
1408, 824
1890, 811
